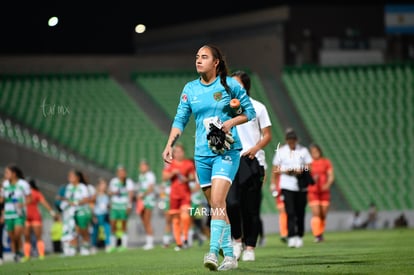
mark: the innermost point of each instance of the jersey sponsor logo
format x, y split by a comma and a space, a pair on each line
184, 98
218, 96
227, 159
195, 100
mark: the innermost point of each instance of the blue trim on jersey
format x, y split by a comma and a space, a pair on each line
204, 101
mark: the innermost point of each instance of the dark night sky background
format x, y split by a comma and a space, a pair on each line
98, 28
107, 27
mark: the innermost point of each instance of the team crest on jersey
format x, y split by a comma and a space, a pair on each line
184, 98
218, 96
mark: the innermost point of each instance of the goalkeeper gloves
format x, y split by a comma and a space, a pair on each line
218, 140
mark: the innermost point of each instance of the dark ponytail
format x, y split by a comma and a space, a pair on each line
245, 79
16, 170
33, 184
80, 176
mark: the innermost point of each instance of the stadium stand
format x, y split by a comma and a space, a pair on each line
23, 136
363, 116
88, 113
165, 89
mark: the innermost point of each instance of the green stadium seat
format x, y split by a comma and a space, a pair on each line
100, 116
363, 116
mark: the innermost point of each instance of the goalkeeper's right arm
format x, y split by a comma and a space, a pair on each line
175, 133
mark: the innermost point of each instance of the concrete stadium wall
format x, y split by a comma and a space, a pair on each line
253, 40
41, 167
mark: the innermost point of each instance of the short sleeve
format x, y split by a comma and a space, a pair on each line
263, 117
92, 190
191, 167
66, 191
130, 185
41, 197
276, 158
88, 191
26, 188
329, 165
112, 185
2, 186
167, 168
307, 158
151, 178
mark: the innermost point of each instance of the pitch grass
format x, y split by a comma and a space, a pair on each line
353, 252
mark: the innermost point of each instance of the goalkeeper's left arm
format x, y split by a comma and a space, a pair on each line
228, 124
248, 113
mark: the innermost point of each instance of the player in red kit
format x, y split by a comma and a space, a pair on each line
34, 221
180, 172
319, 193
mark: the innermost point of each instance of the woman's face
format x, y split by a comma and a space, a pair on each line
8, 174
143, 167
205, 61
315, 153
102, 186
72, 178
121, 173
291, 142
178, 153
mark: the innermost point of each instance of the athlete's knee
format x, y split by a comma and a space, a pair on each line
217, 203
315, 209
